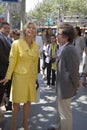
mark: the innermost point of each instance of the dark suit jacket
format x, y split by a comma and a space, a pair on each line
67, 79
4, 55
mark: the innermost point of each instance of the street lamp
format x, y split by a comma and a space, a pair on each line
59, 7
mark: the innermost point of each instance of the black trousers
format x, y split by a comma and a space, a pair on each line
44, 63
2, 90
53, 77
48, 65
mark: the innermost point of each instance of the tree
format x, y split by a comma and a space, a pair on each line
1, 9
41, 12
49, 9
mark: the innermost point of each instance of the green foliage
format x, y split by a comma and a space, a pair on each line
80, 7
1, 9
49, 8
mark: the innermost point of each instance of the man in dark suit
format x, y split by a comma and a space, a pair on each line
5, 45
67, 81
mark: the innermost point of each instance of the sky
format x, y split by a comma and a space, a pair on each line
30, 4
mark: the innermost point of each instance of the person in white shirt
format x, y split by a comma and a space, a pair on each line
79, 43
48, 62
38, 40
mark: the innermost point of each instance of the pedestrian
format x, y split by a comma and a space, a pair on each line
23, 65
53, 58
48, 63
15, 34
38, 40
48, 34
44, 63
79, 43
43, 55
48, 56
85, 62
5, 45
67, 81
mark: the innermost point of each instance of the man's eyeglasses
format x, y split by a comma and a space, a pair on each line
52, 37
59, 34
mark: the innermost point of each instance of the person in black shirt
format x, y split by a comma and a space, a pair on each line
5, 45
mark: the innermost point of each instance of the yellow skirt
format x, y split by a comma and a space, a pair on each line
23, 88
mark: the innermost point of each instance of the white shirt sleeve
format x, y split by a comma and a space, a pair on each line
39, 41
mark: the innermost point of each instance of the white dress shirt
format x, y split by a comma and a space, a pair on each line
60, 49
48, 53
39, 41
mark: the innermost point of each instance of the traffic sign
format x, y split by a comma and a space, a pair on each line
50, 23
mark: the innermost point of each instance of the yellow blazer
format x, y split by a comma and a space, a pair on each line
22, 59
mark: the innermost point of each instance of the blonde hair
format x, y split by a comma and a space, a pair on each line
26, 25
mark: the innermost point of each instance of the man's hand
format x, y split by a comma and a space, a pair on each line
4, 81
80, 84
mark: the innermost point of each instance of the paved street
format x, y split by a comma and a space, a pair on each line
79, 109
43, 114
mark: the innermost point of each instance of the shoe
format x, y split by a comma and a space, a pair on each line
9, 106
44, 77
51, 128
48, 86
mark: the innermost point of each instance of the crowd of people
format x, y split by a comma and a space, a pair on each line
20, 54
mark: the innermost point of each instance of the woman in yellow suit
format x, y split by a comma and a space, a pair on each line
23, 68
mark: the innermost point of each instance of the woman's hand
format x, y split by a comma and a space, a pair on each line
4, 81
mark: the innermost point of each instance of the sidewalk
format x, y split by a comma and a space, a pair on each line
43, 114
79, 109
